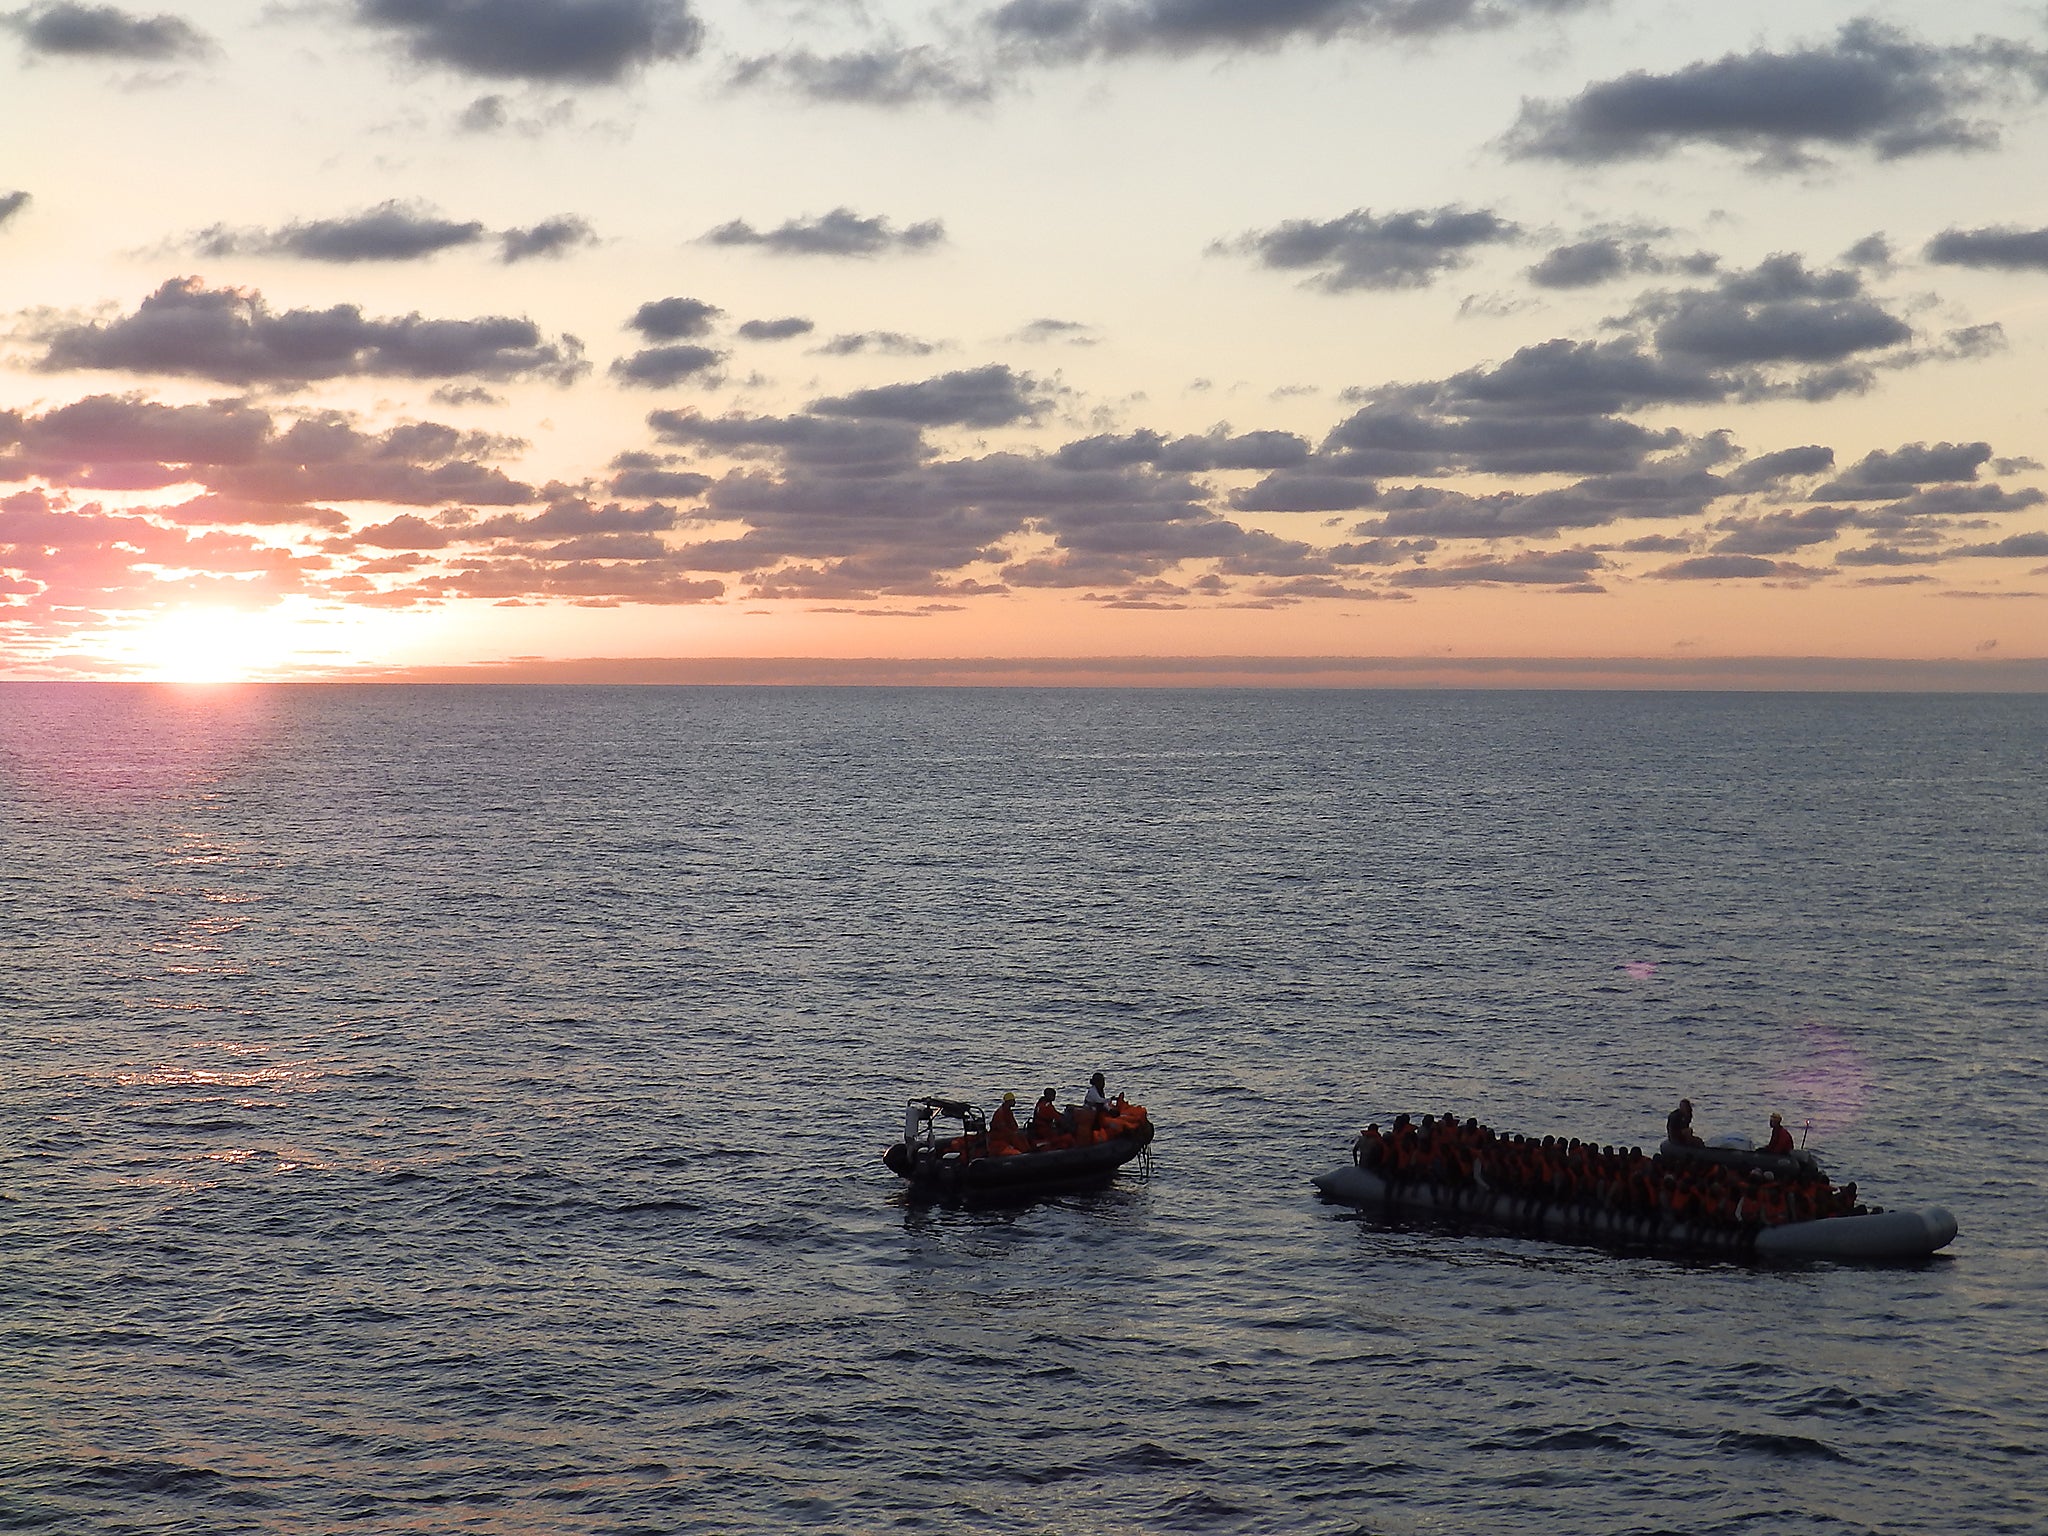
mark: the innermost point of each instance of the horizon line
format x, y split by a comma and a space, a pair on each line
1824, 674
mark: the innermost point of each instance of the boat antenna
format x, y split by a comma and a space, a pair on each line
1804, 1131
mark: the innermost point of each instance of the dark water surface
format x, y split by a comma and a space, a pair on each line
457, 1110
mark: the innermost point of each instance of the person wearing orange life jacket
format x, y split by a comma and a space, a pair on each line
1003, 1131
1046, 1120
1781, 1139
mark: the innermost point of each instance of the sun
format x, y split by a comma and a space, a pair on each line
210, 645
214, 644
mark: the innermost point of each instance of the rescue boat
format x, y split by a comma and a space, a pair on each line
1874, 1235
938, 1165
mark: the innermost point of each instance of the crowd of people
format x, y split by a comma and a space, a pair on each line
1620, 1182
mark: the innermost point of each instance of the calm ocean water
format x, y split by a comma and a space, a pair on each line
458, 1110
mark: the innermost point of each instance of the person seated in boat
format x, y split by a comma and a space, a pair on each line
1678, 1126
1003, 1131
1781, 1139
1097, 1096
1047, 1121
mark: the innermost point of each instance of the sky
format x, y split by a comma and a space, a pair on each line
1389, 341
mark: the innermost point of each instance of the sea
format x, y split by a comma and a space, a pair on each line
459, 1109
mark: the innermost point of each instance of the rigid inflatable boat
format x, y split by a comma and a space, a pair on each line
969, 1164
1458, 1189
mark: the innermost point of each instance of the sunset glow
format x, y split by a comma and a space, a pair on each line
1027, 332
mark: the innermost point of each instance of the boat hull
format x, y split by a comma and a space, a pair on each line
1882, 1236
1023, 1173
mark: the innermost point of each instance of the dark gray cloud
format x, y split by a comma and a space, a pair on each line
1887, 476
233, 337
391, 231
842, 232
1778, 312
655, 475
875, 77
1733, 568
466, 394
818, 445
1307, 492
255, 466
1073, 333
675, 319
775, 330
889, 343
1872, 88
661, 367
66, 30
1362, 249
1068, 30
993, 396
1216, 449
1886, 554
2017, 546
11, 203
1768, 469
575, 42
1594, 502
2004, 246
1568, 569
1780, 533
551, 237
1602, 258
572, 517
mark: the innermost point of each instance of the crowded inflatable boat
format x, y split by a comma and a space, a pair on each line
1687, 1196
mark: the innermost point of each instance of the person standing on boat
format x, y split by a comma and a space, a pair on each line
1781, 1139
1678, 1126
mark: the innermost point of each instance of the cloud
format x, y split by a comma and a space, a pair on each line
1068, 30
814, 443
1594, 502
567, 42
1588, 263
1780, 533
11, 203
661, 367
1217, 449
1571, 569
875, 77
1039, 332
2004, 246
1887, 476
993, 396
1776, 312
674, 319
2018, 546
1769, 469
891, 343
550, 237
775, 330
65, 30
233, 337
243, 454
1872, 88
1361, 249
391, 231
1733, 568
650, 474
842, 232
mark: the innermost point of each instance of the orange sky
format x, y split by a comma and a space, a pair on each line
606, 331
